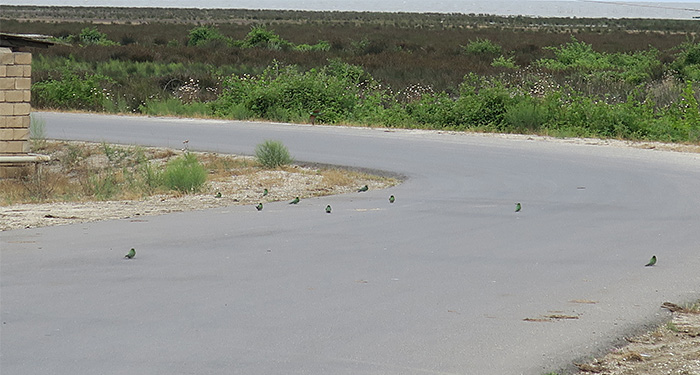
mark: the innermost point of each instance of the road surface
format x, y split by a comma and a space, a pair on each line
439, 282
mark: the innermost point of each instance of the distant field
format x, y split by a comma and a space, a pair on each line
400, 49
548, 75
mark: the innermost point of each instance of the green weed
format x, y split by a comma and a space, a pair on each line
184, 174
37, 133
272, 154
102, 185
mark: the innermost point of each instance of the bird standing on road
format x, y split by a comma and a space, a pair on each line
518, 207
130, 254
218, 194
652, 261
328, 209
363, 189
391, 199
295, 201
259, 207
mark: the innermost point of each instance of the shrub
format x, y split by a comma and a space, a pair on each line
184, 174
70, 92
203, 35
261, 37
687, 63
434, 110
579, 56
287, 94
272, 154
91, 36
482, 47
526, 115
482, 104
502, 62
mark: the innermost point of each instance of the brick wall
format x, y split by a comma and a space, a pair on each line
15, 96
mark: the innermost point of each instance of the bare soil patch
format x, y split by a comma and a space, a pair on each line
673, 348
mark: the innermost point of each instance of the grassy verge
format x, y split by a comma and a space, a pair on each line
81, 172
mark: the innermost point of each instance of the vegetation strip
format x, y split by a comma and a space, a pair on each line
91, 181
561, 77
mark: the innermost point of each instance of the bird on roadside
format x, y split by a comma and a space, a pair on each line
328, 209
295, 201
652, 261
265, 192
130, 254
259, 206
363, 189
218, 194
391, 199
518, 207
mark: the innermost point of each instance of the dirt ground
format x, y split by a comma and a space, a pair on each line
673, 348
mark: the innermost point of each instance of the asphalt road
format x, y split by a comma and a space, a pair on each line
437, 283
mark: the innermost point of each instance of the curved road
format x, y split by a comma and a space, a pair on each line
440, 282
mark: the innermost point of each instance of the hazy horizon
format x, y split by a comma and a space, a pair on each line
667, 9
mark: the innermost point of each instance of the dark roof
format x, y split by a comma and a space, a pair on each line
15, 41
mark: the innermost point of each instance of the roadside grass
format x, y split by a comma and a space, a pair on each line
80, 171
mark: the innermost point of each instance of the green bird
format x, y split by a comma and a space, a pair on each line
328, 209
652, 261
130, 254
391, 199
218, 194
363, 189
295, 201
518, 207
259, 206
264, 192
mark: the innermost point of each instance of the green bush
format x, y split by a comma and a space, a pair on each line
434, 111
272, 154
527, 115
579, 56
184, 174
502, 62
287, 94
71, 92
261, 37
483, 106
482, 47
203, 35
91, 36
687, 63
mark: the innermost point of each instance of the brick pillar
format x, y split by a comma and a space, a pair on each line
15, 96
